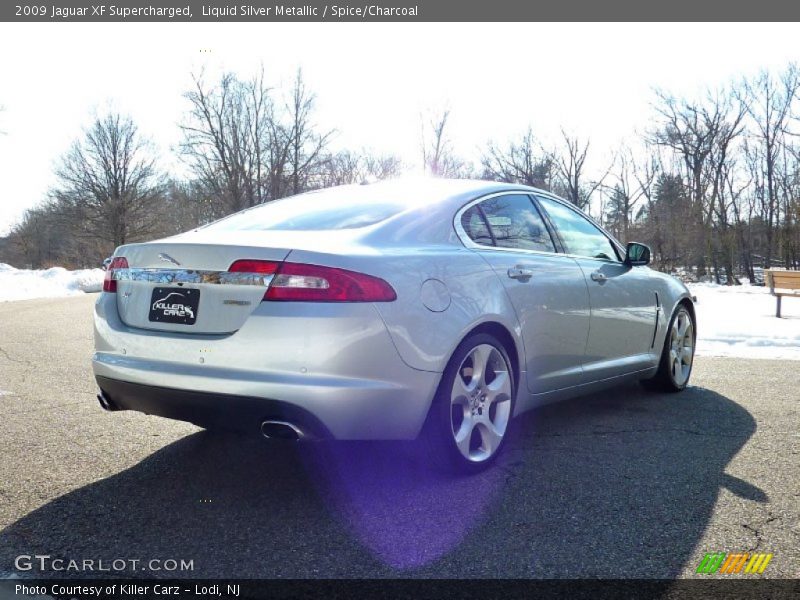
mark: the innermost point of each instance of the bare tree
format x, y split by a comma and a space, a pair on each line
438, 157
632, 184
723, 186
769, 109
727, 222
227, 140
647, 170
789, 188
306, 144
523, 161
246, 147
108, 182
571, 164
383, 166
349, 167
700, 134
688, 130
342, 168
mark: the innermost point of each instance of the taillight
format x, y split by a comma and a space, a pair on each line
110, 284
254, 266
312, 283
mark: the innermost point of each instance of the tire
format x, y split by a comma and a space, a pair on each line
677, 356
469, 419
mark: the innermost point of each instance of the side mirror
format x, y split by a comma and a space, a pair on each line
637, 254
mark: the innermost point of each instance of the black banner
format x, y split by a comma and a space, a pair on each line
399, 10
426, 589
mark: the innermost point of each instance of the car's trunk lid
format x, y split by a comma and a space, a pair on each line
186, 287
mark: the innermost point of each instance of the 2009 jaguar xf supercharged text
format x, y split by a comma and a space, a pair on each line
387, 311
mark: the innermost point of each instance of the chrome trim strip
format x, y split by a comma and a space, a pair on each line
468, 243
168, 276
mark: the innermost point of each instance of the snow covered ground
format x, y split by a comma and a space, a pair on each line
732, 321
740, 321
21, 284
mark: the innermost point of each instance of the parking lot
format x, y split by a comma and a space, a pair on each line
620, 484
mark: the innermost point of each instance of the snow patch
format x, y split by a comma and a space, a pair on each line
740, 321
23, 284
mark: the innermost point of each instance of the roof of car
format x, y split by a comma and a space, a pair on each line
421, 190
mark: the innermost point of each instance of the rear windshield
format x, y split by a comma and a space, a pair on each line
312, 212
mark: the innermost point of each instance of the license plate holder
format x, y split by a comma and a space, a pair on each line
174, 305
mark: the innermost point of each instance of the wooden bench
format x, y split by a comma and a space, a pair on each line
783, 283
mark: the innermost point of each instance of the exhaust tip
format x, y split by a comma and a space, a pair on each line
281, 430
106, 402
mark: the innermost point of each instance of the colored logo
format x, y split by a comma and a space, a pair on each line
730, 563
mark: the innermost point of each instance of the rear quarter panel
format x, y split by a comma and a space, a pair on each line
425, 338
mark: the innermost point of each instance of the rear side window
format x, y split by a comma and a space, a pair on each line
581, 236
475, 225
315, 212
507, 221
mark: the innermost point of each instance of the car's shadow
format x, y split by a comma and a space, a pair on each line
620, 484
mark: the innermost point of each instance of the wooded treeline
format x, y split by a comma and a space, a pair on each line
712, 185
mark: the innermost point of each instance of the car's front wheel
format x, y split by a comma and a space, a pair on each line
677, 355
472, 410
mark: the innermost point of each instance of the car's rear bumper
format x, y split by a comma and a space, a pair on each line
339, 408
241, 413
336, 365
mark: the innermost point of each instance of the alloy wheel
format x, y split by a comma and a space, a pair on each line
480, 403
681, 349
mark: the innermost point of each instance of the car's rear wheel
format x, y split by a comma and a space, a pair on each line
470, 416
677, 356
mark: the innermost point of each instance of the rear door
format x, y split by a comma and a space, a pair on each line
547, 290
624, 303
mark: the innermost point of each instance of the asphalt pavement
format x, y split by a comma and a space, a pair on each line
626, 483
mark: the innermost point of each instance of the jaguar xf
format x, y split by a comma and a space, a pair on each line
435, 309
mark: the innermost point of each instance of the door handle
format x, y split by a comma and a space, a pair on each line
520, 273
598, 276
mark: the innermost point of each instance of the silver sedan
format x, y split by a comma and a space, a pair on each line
435, 309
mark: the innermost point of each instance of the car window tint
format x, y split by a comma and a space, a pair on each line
581, 236
474, 225
515, 223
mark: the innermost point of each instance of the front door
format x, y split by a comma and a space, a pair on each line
623, 303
